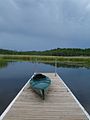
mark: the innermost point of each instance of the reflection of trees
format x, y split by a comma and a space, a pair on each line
68, 65
3, 64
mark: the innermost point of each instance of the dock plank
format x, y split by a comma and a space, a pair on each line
59, 104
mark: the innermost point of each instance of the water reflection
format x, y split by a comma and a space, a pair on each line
14, 75
3, 64
68, 65
59, 64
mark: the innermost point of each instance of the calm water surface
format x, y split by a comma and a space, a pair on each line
13, 77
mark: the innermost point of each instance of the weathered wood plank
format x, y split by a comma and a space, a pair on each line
59, 104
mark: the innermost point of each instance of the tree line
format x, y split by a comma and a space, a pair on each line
52, 52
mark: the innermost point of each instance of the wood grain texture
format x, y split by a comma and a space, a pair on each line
58, 104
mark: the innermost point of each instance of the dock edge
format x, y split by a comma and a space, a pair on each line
83, 109
10, 105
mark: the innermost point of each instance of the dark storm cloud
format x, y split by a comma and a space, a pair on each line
49, 23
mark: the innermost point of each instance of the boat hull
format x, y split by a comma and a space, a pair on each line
40, 84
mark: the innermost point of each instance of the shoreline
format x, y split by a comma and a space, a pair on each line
78, 61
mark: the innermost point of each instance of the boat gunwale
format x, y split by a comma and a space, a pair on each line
44, 80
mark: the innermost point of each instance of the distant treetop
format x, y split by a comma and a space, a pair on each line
52, 52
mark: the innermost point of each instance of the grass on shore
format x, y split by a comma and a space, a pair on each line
78, 61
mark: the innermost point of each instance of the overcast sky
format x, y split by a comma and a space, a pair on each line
44, 24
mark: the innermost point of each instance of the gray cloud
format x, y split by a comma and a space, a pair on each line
49, 23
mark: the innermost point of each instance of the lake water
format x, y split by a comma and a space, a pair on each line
14, 75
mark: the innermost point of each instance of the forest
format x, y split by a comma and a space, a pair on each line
52, 52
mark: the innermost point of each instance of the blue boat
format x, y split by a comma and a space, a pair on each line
40, 84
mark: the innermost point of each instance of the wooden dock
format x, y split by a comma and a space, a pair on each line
59, 104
